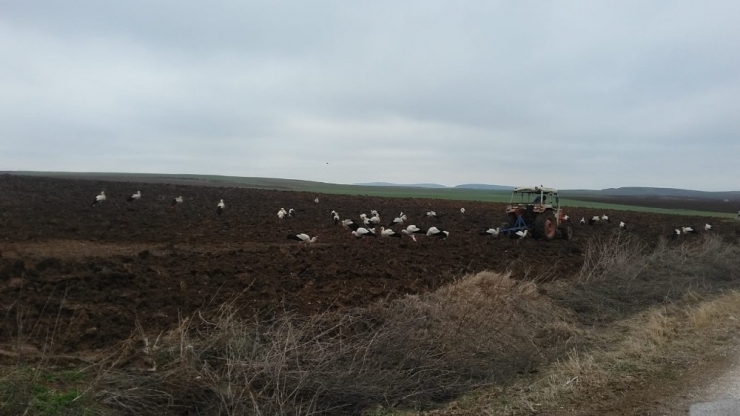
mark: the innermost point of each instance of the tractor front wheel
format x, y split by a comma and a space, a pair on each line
545, 226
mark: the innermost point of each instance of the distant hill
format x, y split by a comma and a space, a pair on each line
637, 191
485, 186
408, 185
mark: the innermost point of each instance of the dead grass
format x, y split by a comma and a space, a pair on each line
485, 333
410, 352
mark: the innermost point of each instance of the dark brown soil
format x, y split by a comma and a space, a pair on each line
89, 273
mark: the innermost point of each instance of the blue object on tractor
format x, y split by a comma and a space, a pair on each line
519, 225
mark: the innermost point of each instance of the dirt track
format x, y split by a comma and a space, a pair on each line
111, 264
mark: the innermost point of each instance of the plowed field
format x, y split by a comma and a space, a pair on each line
90, 272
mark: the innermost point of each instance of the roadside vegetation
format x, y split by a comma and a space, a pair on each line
484, 344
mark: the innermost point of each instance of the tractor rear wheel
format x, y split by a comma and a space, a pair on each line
545, 226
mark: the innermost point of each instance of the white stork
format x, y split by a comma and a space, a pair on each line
282, 213
583, 221
220, 207
522, 233
389, 233
411, 230
398, 220
622, 225
361, 232
605, 218
437, 232
594, 220
291, 212
99, 198
302, 238
134, 197
177, 201
708, 227
494, 232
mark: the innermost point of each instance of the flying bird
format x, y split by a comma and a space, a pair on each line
134, 197
99, 198
220, 207
302, 238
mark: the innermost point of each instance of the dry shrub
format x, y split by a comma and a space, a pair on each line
408, 352
620, 276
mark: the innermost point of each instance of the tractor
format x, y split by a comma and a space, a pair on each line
536, 209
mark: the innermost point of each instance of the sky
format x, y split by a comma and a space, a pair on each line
567, 94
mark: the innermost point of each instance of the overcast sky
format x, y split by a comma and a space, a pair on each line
570, 94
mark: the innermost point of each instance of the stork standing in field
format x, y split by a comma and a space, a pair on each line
605, 218
462, 211
493, 232
582, 221
398, 220
389, 233
302, 238
412, 230
364, 232
622, 225
350, 224
177, 201
522, 234
316, 200
432, 214
708, 227
594, 220
220, 207
335, 217
689, 230
437, 232
282, 213
99, 198
134, 197
291, 212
